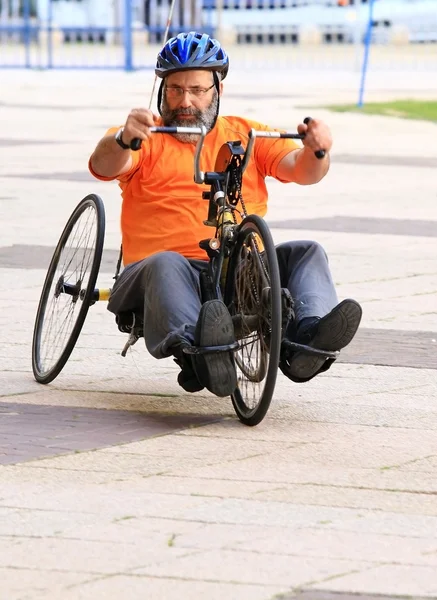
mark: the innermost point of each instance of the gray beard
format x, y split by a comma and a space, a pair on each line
206, 117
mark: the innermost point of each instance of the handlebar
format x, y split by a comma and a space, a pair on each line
200, 131
199, 176
136, 142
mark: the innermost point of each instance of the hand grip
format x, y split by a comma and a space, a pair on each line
318, 153
135, 144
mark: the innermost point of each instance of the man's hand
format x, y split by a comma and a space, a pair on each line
302, 166
317, 135
109, 159
138, 124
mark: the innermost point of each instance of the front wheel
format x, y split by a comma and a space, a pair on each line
253, 296
68, 288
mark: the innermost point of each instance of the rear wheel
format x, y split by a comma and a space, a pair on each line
68, 289
253, 297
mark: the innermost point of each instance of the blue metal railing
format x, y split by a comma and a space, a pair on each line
55, 40
27, 41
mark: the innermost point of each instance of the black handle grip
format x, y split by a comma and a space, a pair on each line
318, 153
135, 144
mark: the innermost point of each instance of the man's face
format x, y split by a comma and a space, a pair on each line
189, 100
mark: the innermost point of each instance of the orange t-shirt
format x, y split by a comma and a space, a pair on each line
162, 206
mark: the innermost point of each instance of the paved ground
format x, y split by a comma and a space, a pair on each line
115, 484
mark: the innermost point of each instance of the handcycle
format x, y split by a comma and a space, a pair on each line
242, 270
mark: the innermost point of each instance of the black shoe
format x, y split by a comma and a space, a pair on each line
187, 378
332, 332
188, 381
216, 371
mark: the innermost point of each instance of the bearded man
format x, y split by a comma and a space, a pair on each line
162, 223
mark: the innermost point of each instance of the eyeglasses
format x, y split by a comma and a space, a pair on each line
178, 92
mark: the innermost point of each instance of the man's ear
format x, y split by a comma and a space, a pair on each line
221, 88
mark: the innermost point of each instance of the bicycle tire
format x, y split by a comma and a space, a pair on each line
85, 267
255, 307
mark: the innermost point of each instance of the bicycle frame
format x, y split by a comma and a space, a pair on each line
223, 197
225, 192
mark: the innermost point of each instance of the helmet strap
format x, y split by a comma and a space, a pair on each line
217, 87
159, 100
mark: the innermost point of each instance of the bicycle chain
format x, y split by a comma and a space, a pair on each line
234, 199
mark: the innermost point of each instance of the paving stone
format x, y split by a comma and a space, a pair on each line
94, 524
359, 413
325, 595
38, 257
251, 567
277, 431
87, 557
393, 348
364, 224
392, 501
131, 587
279, 474
325, 543
400, 580
23, 523
6, 143
384, 160
191, 446
26, 584
30, 431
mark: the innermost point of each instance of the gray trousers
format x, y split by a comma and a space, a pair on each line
166, 287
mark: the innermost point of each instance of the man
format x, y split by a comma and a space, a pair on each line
162, 223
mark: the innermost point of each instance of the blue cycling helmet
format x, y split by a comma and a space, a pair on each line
192, 51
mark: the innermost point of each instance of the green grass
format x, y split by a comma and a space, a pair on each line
425, 110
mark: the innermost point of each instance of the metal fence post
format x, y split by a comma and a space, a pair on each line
50, 36
26, 32
127, 36
367, 43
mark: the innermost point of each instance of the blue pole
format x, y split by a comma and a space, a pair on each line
49, 36
26, 32
367, 42
127, 35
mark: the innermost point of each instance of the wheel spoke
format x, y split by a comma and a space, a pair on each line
57, 330
79, 249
